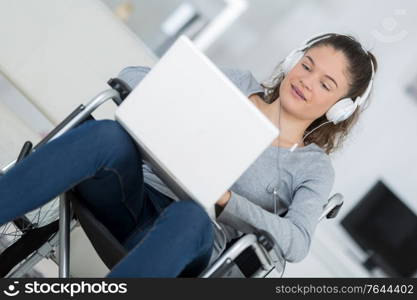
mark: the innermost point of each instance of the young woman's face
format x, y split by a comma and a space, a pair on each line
316, 82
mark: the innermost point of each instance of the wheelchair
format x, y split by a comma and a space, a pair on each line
37, 235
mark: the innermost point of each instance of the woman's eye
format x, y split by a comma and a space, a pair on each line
325, 86
306, 67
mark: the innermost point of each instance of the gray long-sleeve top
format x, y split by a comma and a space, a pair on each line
304, 178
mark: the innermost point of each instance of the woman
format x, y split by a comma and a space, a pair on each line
102, 162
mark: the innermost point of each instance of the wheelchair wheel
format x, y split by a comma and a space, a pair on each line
22, 238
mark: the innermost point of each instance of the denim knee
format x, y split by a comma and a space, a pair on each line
109, 138
109, 132
195, 222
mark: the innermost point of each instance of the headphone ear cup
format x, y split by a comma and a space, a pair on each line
342, 110
291, 60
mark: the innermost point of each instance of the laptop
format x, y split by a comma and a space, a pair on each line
195, 128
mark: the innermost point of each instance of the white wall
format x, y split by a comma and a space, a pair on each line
13, 133
60, 54
382, 145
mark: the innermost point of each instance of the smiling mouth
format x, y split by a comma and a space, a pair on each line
298, 92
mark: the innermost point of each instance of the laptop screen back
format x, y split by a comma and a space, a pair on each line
194, 125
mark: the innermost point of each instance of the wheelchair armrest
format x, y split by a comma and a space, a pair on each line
225, 262
332, 207
265, 239
122, 87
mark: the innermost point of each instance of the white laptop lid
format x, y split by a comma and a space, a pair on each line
196, 128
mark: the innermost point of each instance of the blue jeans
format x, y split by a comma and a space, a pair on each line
165, 238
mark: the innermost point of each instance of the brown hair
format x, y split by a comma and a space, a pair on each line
331, 137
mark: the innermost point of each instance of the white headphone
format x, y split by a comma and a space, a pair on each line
342, 109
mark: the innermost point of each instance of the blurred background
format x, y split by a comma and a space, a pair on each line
58, 54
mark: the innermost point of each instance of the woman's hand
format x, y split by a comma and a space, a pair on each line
224, 199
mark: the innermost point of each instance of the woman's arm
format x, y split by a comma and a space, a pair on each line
293, 232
